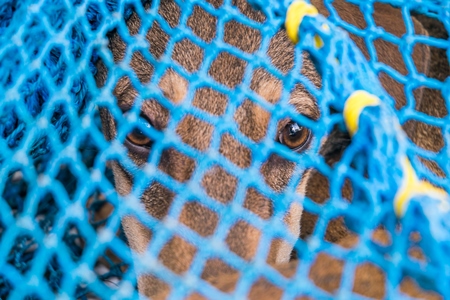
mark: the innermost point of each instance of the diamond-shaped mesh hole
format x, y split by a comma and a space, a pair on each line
242, 230
207, 31
55, 61
186, 46
67, 179
234, 33
177, 165
216, 107
430, 130
357, 17
395, 60
258, 204
416, 253
216, 266
15, 191
84, 293
158, 40
210, 218
110, 268
174, 88
46, 212
74, 241
99, 17
168, 252
395, 89
22, 253
368, 274
411, 288
433, 25
266, 85
435, 106
89, 152
5, 287
252, 120
361, 44
195, 132
347, 190
142, 68
433, 166
335, 230
380, 21
235, 151
59, 15
11, 127
100, 210
271, 170
34, 38
219, 184
256, 15
328, 268
10, 64
54, 274
61, 122
229, 60
78, 48
275, 291
382, 237
307, 224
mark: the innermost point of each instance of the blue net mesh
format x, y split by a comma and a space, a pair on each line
143, 150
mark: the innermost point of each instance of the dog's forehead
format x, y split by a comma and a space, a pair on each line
226, 69
175, 88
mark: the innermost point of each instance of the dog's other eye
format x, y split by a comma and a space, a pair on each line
294, 136
137, 137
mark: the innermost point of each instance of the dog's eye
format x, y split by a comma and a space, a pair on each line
137, 137
294, 136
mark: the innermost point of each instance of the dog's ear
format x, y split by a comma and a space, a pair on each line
392, 21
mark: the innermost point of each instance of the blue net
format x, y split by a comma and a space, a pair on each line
187, 148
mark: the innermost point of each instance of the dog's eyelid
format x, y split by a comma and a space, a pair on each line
144, 122
143, 117
283, 122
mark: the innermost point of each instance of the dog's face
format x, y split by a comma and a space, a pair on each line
251, 119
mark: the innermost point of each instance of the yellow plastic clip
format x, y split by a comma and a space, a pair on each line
354, 105
412, 187
295, 14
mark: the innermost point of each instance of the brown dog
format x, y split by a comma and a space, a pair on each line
242, 239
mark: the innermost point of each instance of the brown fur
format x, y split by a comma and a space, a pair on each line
252, 120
